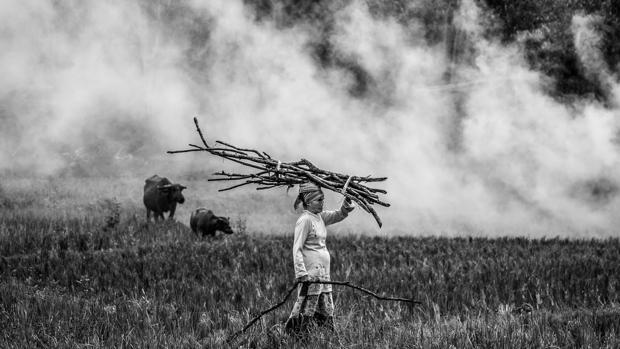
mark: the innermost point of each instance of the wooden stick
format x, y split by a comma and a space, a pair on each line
200, 133
288, 293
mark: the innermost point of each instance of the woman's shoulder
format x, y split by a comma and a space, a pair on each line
306, 217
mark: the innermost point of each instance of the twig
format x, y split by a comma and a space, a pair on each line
383, 298
288, 294
200, 133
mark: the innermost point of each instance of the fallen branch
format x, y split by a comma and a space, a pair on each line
273, 173
288, 293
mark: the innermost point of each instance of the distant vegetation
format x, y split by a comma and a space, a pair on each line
553, 52
543, 28
92, 276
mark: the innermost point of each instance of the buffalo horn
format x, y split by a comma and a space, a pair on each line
165, 187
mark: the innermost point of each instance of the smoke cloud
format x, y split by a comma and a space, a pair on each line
470, 140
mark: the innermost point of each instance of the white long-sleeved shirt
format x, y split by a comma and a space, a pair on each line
310, 255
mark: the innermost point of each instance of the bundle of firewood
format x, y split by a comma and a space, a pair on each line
271, 173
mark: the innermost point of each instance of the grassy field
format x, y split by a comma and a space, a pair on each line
81, 268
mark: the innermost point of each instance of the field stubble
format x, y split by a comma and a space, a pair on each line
80, 267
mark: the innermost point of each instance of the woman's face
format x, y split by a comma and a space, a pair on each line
316, 204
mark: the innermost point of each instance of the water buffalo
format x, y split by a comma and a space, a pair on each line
160, 196
205, 222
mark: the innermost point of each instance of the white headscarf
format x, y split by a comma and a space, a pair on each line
308, 191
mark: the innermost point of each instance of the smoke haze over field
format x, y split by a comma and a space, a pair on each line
471, 142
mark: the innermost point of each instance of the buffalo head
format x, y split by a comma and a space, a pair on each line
223, 224
173, 192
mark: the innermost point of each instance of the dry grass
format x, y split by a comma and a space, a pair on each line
81, 268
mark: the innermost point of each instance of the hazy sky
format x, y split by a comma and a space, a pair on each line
116, 83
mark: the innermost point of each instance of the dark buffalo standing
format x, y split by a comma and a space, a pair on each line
160, 196
205, 222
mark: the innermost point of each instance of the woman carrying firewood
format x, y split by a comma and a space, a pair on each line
314, 306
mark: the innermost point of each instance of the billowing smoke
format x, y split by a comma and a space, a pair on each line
466, 131
88, 82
